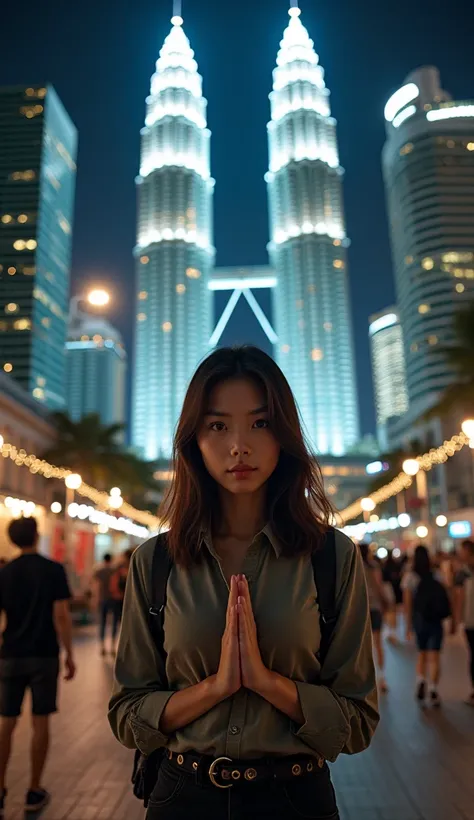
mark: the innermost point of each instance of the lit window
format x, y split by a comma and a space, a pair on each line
12, 307
143, 295
460, 287
180, 288
193, 273
12, 270
22, 218
22, 324
427, 263
50, 276
337, 242
31, 244
338, 263
19, 245
41, 92
470, 146
406, 149
167, 326
6, 218
144, 260
299, 304
141, 317
84, 338
64, 225
432, 340
38, 393
317, 354
469, 273
327, 326
46, 321
408, 260
285, 348
30, 92
450, 143
29, 270
8, 367
424, 308
40, 382
311, 288
97, 338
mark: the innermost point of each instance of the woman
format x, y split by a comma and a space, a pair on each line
373, 577
392, 577
426, 607
249, 717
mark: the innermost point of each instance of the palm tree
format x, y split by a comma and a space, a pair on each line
95, 451
459, 396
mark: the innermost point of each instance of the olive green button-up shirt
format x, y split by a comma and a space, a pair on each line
338, 701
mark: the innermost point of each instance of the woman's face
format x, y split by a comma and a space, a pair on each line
238, 447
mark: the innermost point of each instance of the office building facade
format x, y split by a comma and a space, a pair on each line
38, 146
308, 247
96, 370
428, 166
174, 253
388, 369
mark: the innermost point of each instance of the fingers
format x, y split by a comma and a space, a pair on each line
232, 600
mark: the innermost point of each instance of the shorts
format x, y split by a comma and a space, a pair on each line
40, 675
429, 634
376, 620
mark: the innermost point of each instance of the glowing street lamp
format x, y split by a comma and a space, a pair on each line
98, 297
468, 429
367, 506
73, 481
441, 520
422, 531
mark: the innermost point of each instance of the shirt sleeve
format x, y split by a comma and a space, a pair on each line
137, 700
61, 591
341, 712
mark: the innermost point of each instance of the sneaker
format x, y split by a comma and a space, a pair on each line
36, 799
3, 794
435, 699
421, 692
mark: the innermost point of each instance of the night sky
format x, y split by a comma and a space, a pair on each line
100, 54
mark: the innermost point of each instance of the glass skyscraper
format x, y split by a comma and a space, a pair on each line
388, 369
308, 246
38, 145
174, 253
428, 165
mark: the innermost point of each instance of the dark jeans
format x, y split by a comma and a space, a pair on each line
179, 796
114, 609
470, 641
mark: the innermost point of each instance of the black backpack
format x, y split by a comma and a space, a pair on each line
431, 600
145, 768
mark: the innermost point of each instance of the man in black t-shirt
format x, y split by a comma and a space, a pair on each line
34, 595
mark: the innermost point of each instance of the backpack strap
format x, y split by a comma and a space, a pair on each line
325, 571
160, 571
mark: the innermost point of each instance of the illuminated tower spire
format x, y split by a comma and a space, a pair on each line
307, 247
174, 244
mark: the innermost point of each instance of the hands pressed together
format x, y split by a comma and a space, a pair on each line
241, 662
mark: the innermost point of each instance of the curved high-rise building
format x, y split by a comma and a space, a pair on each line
174, 253
428, 165
308, 246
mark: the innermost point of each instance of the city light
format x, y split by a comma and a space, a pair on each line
116, 491
450, 112
421, 531
404, 115
73, 481
404, 520
411, 466
56, 507
115, 502
406, 94
102, 519
374, 467
380, 324
98, 297
441, 520
382, 553
468, 429
367, 504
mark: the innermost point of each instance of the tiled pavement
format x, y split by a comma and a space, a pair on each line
419, 767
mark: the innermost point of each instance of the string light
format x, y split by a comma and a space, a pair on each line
437, 455
101, 499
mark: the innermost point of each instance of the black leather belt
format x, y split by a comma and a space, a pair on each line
224, 772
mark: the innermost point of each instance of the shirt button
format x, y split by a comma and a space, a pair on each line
235, 730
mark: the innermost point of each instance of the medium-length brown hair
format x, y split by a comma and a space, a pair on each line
297, 507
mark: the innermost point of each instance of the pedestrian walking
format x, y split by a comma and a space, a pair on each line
34, 596
465, 587
261, 609
427, 606
377, 604
391, 577
118, 581
107, 606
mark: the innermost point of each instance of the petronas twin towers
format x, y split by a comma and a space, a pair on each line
175, 252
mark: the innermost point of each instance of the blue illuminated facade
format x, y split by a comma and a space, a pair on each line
38, 147
308, 247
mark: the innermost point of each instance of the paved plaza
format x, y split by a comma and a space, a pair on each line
420, 765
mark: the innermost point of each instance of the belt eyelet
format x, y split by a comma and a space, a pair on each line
195, 765
296, 770
180, 760
250, 774
236, 775
321, 762
309, 767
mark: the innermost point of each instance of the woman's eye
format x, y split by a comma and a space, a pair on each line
262, 424
217, 426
